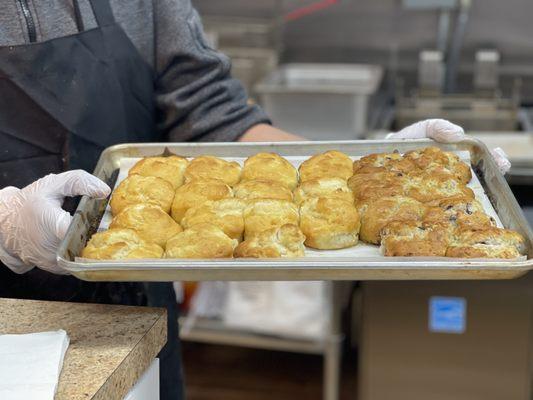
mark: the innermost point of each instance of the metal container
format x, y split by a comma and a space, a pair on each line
252, 44
320, 101
90, 211
244, 32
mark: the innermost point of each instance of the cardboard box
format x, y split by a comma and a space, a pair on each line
449, 340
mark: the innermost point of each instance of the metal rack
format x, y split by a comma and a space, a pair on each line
212, 331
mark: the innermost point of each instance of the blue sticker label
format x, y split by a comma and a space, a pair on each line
447, 314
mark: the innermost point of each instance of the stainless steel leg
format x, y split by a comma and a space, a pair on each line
332, 368
334, 339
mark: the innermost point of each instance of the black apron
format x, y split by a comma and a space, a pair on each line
62, 102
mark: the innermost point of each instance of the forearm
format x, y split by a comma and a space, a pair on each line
268, 133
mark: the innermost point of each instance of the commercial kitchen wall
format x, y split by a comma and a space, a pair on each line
384, 32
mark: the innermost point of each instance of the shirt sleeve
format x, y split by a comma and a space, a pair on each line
196, 96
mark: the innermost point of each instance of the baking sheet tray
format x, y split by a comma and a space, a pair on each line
363, 262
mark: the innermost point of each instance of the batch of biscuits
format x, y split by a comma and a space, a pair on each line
415, 204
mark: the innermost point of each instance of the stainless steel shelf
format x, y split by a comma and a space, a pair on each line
215, 332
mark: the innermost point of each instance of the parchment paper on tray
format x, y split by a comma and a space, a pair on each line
361, 250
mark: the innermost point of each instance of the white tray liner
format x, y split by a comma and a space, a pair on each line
361, 250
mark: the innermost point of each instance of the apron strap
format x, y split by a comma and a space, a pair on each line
77, 16
102, 12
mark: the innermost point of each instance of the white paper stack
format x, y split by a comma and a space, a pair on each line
30, 365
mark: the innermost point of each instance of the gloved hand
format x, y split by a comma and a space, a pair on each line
32, 222
443, 131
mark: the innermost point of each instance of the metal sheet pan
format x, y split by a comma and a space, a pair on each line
90, 211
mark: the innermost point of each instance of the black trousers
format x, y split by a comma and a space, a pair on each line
40, 285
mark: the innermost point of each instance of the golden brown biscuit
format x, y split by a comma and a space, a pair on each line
487, 243
196, 193
138, 189
393, 162
201, 241
120, 244
208, 167
262, 189
434, 159
323, 187
433, 187
226, 214
462, 213
169, 168
412, 239
376, 214
150, 222
270, 166
285, 241
329, 223
369, 187
482, 251
331, 164
263, 214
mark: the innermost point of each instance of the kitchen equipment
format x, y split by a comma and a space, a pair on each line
320, 100
253, 45
343, 265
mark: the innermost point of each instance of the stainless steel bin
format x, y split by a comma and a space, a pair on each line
320, 101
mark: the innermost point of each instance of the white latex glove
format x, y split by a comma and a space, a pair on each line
32, 222
443, 131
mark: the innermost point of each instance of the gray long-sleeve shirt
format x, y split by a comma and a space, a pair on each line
197, 98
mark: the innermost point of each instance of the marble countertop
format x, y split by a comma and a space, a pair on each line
110, 346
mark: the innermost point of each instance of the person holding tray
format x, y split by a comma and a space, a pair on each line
78, 76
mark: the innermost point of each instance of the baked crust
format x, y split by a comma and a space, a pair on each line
120, 244
262, 189
203, 241
378, 213
431, 187
329, 223
272, 167
393, 162
226, 214
373, 186
487, 243
169, 168
433, 159
195, 193
323, 187
458, 213
287, 241
331, 164
136, 189
479, 251
150, 222
209, 167
264, 214
412, 239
